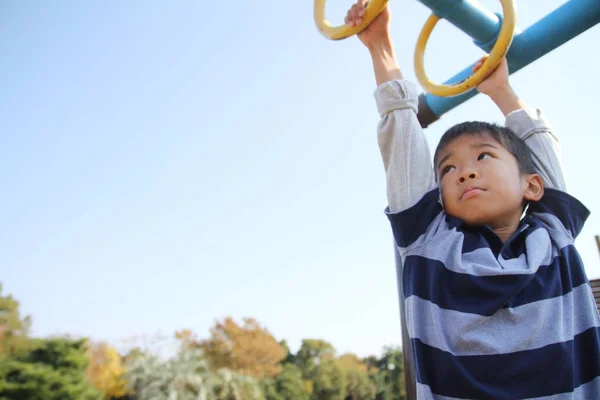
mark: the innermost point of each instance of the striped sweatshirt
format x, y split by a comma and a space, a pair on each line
487, 319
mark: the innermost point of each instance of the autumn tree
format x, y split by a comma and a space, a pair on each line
106, 370
249, 349
14, 329
359, 386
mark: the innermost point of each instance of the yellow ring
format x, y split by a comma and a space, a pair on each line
374, 8
494, 59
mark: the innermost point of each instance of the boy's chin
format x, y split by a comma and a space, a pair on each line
475, 217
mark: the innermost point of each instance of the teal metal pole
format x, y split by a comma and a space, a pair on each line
468, 16
563, 24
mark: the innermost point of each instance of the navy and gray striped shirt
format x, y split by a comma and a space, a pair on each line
486, 319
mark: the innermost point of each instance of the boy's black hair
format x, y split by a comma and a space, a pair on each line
507, 138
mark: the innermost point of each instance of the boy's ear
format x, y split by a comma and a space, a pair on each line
534, 191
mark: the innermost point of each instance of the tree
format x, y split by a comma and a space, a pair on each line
359, 386
269, 388
329, 381
325, 374
185, 376
248, 349
234, 386
290, 358
53, 369
372, 364
387, 373
311, 353
106, 370
289, 384
14, 330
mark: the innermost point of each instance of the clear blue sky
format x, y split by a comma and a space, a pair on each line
164, 164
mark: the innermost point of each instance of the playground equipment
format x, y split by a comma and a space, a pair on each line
489, 31
494, 34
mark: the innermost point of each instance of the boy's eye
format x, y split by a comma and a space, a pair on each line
483, 156
447, 169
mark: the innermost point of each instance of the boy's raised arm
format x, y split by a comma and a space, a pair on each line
404, 149
530, 124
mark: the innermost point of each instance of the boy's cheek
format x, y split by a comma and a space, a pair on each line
444, 199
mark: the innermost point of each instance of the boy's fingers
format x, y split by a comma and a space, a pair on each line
479, 63
361, 8
354, 11
349, 20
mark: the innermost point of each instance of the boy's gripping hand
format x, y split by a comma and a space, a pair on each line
498, 88
376, 37
497, 81
404, 150
528, 124
377, 31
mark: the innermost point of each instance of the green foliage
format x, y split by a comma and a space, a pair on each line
311, 353
245, 363
316, 359
269, 389
290, 358
359, 386
235, 386
387, 373
329, 381
54, 369
182, 377
187, 376
14, 330
289, 384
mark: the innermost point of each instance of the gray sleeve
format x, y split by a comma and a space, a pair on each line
532, 127
404, 149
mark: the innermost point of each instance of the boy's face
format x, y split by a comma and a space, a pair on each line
480, 181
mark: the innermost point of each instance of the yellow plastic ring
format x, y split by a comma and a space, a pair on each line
494, 59
374, 8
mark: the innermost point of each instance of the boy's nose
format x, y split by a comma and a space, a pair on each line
468, 175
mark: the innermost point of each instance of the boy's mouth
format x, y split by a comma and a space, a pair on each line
470, 192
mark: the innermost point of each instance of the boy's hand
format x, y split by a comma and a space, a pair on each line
377, 31
497, 81
376, 37
497, 87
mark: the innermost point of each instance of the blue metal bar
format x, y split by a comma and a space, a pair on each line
468, 16
561, 25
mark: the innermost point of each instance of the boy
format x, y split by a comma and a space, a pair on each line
497, 302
